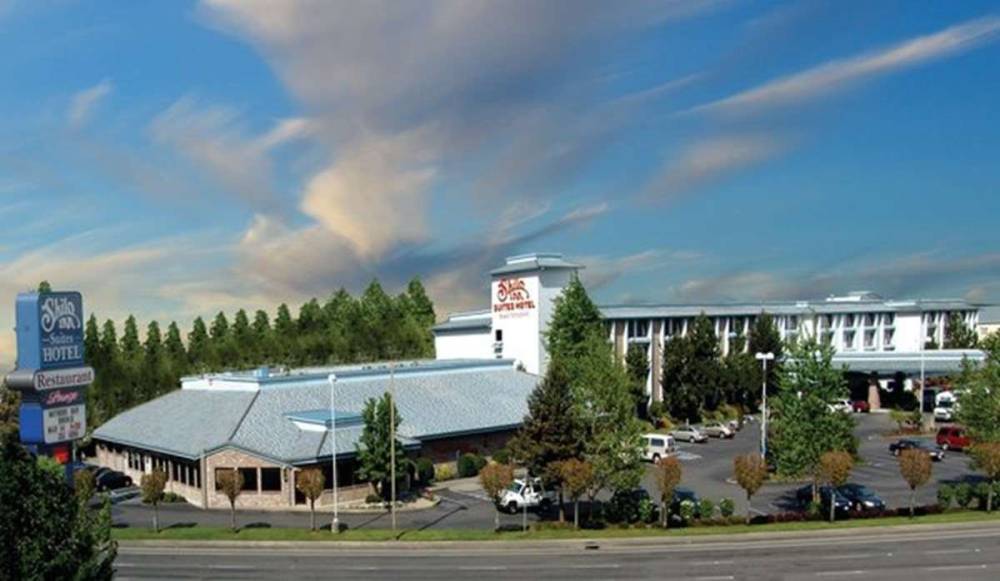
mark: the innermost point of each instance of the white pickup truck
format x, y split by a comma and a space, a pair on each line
530, 494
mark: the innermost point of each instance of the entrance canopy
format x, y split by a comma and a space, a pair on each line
886, 363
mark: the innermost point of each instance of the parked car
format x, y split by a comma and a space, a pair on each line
861, 406
734, 425
953, 438
897, 447
112, 480
718, 430
526, 494
842, 405
689, 434
658, 446
861, 497
842, 505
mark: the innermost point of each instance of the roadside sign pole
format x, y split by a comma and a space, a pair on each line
335, 525
763, 358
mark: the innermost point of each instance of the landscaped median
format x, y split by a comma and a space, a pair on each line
197, 533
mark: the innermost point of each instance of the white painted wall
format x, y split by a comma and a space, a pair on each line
908, 332
521, 326
464, 345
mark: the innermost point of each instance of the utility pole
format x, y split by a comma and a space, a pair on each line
335, 525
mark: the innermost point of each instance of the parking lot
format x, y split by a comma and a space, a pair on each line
708, 470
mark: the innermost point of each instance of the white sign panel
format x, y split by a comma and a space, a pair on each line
64, 423
63, 378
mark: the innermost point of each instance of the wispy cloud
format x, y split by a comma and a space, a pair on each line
837, 75
84, 103
711, 160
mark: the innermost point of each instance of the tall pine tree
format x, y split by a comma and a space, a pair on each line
574, 318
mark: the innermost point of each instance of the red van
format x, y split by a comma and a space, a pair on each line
952, 438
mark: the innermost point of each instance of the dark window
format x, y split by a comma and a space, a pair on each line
498, 334
249, 479
196, 476
270, 479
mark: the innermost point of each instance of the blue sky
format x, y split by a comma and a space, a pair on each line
177, 158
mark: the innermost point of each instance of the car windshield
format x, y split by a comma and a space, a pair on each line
515, 487
947, 404
857, 490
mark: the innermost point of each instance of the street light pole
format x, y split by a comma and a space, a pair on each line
392, 440
335, 525
763, 358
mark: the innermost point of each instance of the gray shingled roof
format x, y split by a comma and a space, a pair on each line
989, 314
431, 405
183, 422
935, 362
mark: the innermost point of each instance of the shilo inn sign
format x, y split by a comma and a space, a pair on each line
51, 372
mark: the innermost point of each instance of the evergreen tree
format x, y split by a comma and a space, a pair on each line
44, 287
153, 375
374, 449
131, 356
692, 373
552, 431
637, 368
114, 394
379, 315
242, 340
765, 338
263, 349
177, 359
958, 335
199, 348
342, 315
741, 375
803, 426
419, 307
97, 398
223, 352
284, 336
311, 340
574, 318
603, 401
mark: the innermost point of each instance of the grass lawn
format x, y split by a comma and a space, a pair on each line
276, 534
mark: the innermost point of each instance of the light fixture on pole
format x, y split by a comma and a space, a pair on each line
763, 358
335, 525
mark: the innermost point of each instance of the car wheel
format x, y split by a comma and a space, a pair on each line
512, 507
656, 458
944, 446
895, 452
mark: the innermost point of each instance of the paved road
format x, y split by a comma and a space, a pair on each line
968, 553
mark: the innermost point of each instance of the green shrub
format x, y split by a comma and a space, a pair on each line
373, 499
945, 495
425, 470
727, 507
470, 464
502, 456
728, 412
444, 472
169, 497
687, 510
647, 511
963, 495
981, 492
815, 510
706, 508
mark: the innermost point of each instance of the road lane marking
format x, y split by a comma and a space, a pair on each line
841, 557
484, 568
948, 552
716, 578
840, 573
701, 563
957, 568
599, 566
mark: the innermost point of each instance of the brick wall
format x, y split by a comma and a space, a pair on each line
448, 449
257, 499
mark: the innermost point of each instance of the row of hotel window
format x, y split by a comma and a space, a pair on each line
255, 479
179, 471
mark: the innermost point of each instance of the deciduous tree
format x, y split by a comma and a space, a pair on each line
230, 484
750, 470
311, 483
835, 468
915, 466
958, 335
495, 478
986, 457
637, 368
577, 478
668, 477
979, 410
152, 486
574, 319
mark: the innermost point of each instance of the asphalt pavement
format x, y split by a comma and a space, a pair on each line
903, 554
708, 470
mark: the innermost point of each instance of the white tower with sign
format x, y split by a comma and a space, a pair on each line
521, 302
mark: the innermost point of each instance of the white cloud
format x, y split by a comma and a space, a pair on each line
712, 159
84, 103
839, 74
214, 139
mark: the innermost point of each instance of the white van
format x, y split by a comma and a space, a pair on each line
658, 446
